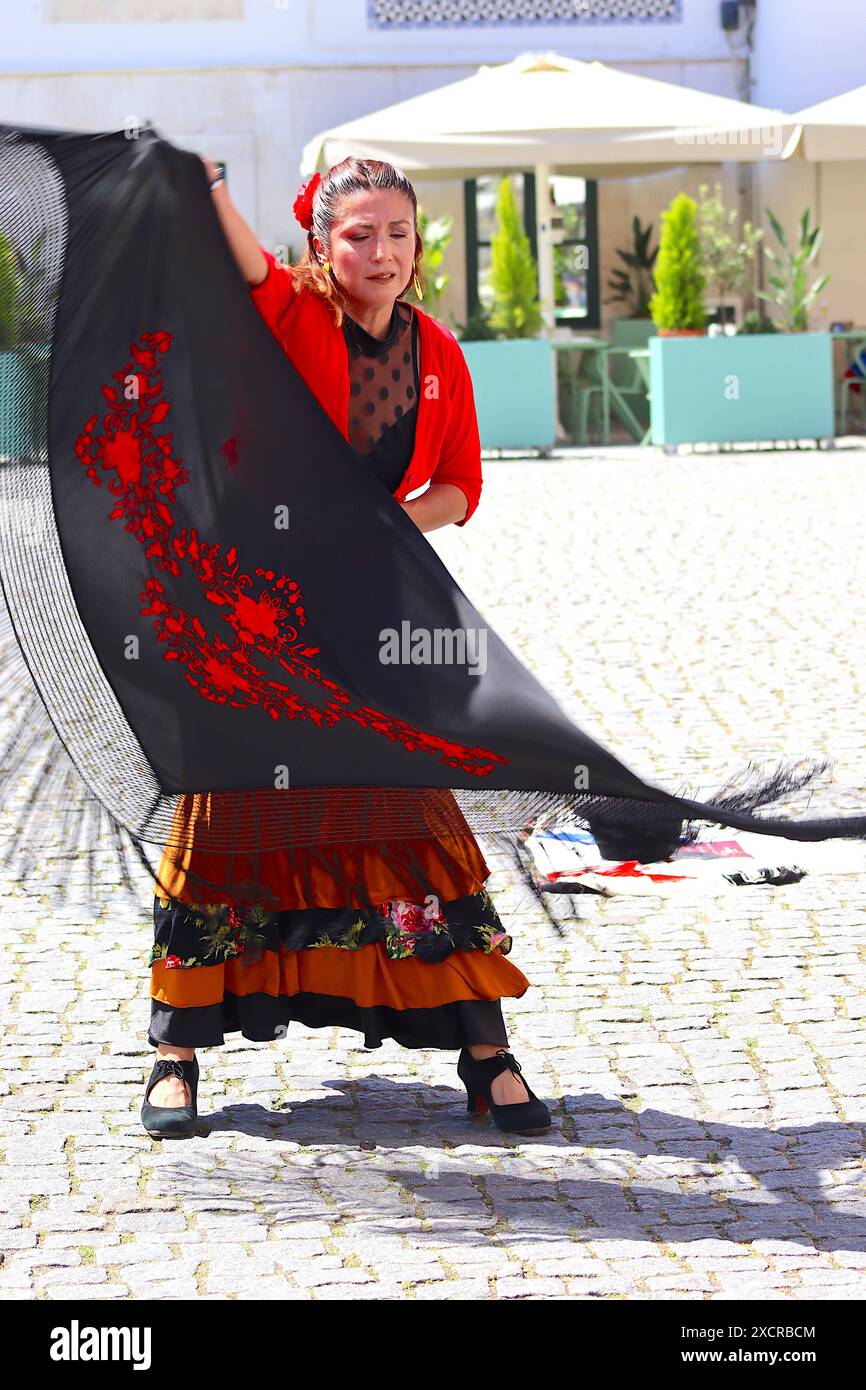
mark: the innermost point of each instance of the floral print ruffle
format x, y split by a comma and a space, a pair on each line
194, 934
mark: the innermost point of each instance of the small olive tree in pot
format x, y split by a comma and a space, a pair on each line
727, 255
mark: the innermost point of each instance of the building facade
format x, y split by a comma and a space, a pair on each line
251, 81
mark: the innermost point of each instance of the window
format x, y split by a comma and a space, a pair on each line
575, 258
575, 238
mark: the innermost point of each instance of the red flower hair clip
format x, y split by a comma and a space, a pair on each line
303, 204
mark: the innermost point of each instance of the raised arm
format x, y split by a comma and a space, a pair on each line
240, 237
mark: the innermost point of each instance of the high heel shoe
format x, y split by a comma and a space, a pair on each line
171, 1121
478, 1074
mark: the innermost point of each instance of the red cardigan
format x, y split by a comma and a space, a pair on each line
447, 444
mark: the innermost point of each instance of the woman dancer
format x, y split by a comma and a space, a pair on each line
425, 971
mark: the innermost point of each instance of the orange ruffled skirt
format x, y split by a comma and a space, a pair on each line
426, 965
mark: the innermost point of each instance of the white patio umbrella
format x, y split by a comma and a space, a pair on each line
548, 112
834, 129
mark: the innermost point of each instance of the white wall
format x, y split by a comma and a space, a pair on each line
806, 52
257, 119
326, 32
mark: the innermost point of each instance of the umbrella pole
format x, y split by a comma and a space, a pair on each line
544, 241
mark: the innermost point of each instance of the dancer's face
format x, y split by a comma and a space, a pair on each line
373, 235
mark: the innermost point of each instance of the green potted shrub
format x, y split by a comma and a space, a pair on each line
477, 328
515, 310
633, 288
513, 372
677, 306
753, 322
9, 304
789, 291
25, 331
436, 236
756, 385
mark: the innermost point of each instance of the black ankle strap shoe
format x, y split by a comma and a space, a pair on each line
171, 1121
478, 1074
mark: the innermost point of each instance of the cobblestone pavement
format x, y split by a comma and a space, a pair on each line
705, 1065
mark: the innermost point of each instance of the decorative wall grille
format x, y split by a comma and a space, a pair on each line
424, 14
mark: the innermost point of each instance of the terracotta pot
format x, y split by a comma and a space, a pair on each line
682, 332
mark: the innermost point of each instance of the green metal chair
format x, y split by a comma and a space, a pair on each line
582, 397
626, 376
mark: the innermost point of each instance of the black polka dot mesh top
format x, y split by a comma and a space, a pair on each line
383, 393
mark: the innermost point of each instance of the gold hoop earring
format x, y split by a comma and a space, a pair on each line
416, 285
326, 266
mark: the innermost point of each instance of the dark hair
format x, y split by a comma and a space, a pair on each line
350, 176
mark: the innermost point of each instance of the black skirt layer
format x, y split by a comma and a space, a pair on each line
191, 938
266, 1018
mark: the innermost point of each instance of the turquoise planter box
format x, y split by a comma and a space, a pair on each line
23, 389
514, 384
761, 386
